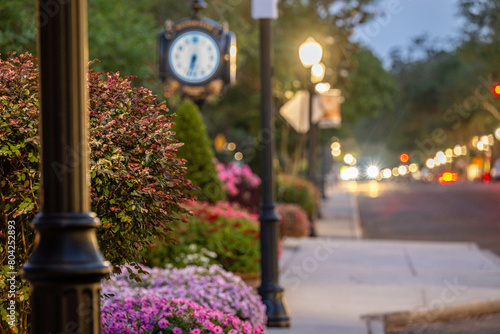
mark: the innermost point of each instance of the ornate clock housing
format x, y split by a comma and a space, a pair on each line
197, 57
194, 57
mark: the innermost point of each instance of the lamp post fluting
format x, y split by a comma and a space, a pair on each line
66, 266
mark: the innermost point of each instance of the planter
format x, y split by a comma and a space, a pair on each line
251, 279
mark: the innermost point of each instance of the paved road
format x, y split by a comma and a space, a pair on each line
453, 212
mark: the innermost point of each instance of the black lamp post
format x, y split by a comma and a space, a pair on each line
310, 54
312, 139
271, 292
66, 266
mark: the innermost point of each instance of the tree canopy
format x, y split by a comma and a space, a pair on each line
445, 97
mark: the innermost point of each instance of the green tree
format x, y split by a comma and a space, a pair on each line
190, 129
18, 31
122, 35
369, 89
444, 99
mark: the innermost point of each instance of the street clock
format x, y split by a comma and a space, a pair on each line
197, 56
194, 57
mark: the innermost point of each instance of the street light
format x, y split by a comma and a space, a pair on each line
271, 292
317, 72
66, 266
322, 87
310, 54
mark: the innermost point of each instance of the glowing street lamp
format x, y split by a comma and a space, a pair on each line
317, 72
310, 52
322, 87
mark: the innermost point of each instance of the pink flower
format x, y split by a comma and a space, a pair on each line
163, 323
209, 325
217, 330
195, 331
177, 330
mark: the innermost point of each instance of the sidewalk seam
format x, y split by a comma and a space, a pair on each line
409, 262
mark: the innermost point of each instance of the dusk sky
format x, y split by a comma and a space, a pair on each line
405, 19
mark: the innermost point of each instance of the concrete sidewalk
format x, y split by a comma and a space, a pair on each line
340, 283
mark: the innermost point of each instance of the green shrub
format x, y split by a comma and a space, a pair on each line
293, 189
137, 179
190, 130
232, 234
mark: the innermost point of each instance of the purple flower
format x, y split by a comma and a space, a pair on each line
183, 313
212, 287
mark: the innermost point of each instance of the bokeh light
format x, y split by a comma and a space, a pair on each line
349, 159
372, 172
238, 156
386, 173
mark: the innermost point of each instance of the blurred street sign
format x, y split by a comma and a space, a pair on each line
328, 106
264, 9
326, 110
296, 112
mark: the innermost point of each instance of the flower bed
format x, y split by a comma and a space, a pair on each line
220, 209
224, 229
210, 287
241, 184
153, 314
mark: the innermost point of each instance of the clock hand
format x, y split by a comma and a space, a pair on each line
193, 60
191, 65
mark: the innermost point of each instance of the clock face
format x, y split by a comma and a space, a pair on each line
194, 56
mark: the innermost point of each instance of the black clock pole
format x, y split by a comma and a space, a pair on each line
270, 291
197, 6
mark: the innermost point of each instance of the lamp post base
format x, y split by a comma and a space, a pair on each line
276, 309
65, 270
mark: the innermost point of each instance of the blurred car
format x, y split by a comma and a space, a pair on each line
495, 171
448, 177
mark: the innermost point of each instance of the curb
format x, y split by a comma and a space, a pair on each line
357, 231
402, 319
374, 324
